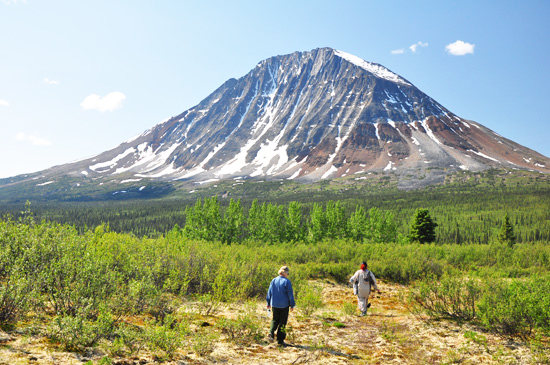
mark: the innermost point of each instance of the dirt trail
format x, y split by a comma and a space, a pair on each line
389, 334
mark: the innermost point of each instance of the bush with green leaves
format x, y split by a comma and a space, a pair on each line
517, 307
76, 332
309, 298
203, 342
167, 336
453, 296
247, 329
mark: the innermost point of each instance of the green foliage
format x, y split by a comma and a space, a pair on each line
453, 296
422, 227
166, 337
309, 299
349, 309
203, 342
506, 233
517, 308
75, 333
247, 329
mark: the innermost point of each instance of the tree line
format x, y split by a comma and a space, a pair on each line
273, 223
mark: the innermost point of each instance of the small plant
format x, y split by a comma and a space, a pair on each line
476, 338
128, 340
245, 330
203, 342
76, 333
349, 309
208, 304
166, 337
310, 299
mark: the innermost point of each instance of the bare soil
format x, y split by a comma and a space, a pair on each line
389, 334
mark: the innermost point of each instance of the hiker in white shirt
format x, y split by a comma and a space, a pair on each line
363, 281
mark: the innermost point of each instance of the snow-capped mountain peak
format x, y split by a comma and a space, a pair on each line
309, 116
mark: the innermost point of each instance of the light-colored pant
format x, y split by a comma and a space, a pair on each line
362, 303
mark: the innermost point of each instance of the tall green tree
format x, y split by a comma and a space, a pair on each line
422, 227
335, 220
274, 223
317, 224
357, 224
294, 230
233, 221
506, 233
255, 221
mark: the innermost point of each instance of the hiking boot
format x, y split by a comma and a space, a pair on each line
368, 305
363, 314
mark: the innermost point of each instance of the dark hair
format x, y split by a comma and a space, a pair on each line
364, 263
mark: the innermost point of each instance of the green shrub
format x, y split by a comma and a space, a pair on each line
451, 297
518, 307
309, 299
75, 333
128, 340
203, 342
246, 329
349, 309
166, 337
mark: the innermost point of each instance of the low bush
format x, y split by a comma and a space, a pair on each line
453, 296
75, 333
166, 337
309, 299
246, 329
518, 307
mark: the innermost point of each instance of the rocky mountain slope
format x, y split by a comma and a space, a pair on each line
306, 116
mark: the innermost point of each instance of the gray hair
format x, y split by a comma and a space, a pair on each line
283, 269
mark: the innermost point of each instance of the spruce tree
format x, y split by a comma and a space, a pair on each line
506, 233
422, 227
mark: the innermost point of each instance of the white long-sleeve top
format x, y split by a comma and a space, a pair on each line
361, 277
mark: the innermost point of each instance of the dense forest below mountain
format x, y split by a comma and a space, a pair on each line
469, 208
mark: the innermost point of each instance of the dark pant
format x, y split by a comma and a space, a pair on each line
278, 323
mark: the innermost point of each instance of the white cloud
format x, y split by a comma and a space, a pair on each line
108, 102
37, 141
460, 48
4, 102
51, 82
416, 45
9, 2
398, 51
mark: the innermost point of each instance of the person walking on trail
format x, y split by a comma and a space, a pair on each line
280, 298
363, 281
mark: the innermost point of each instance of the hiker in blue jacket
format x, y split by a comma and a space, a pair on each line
280, 298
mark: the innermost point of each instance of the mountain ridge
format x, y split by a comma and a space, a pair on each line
308, 116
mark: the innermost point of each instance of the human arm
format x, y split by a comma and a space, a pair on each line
290, 294
269, 295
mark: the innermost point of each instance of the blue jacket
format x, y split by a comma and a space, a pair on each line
280, 294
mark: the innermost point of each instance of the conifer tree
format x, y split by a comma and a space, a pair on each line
422, 227
506, 233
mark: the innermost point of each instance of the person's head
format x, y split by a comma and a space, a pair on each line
364, 265
284, 271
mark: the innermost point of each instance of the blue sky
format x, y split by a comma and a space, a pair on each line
80, 77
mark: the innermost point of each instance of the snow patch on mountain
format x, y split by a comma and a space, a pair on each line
374, 68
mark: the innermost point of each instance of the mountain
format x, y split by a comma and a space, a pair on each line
305, 116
